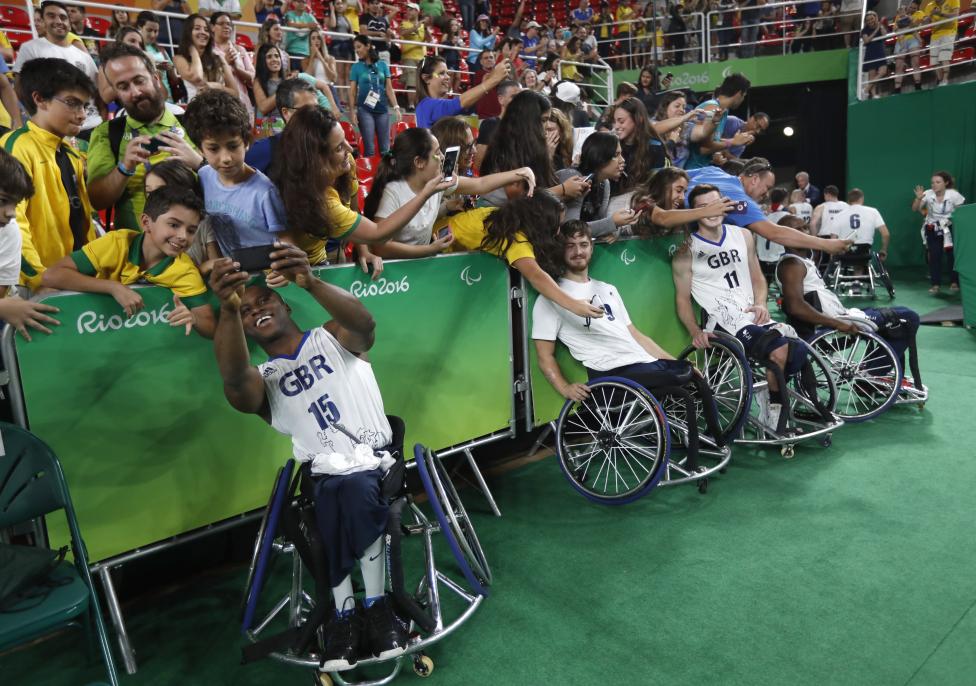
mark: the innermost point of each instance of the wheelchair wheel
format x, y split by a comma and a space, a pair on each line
729, 376
866, 372
613, 447
884, 275
821, 397
454, 520
261, 557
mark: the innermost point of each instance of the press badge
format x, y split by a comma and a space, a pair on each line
372, 99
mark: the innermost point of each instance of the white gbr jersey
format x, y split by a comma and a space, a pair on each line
321, 385
828, 215
830, 304
720, 281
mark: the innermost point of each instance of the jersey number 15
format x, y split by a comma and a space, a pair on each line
325, 412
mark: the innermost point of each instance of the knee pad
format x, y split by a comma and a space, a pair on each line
796, 357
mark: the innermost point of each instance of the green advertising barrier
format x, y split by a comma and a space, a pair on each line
774, 70
641, 272
151, 449
964, 240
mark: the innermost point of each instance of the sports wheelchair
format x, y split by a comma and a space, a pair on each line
842, 278
616, 445
288, 528
812, 395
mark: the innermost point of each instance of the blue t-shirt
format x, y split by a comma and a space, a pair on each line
730, 187
732, 126
529, 43
261, 152
371, 77
245, 215
583, 16
429, 110
696, 158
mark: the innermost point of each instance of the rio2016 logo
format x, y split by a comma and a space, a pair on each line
381, 286
92, 322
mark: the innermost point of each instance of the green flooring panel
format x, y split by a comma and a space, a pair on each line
847, 565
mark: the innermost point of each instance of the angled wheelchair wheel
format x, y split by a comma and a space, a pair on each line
883, 274
613, 447
453, 519
866, 372
263, 545
817, 397
729, 376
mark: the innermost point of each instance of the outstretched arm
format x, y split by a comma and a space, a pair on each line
791, 273
546, 286
791, 238
243, 386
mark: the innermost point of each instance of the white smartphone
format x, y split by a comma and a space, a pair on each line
450, 161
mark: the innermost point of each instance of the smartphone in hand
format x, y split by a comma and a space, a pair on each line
450, 161
255, 258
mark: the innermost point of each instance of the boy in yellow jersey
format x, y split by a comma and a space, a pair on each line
626, 14
943, 35
57, 219
411, 56
157, 255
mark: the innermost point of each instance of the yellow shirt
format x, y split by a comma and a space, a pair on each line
469, 232
917, 18
413, 52
625, 13
933, 13
117, 256
343, 220
353, 18
43, 219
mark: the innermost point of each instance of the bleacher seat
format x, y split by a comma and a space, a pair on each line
99, 25
245, 42
963, 55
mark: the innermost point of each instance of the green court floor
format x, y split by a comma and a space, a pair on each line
848, 565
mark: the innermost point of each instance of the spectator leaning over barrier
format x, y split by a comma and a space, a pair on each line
415, 159
234, 56
433, 86
602, 162
55, 44
937, 205
450, 132
811, 192
371, 89
209, 7
314, 171
243, 205
56, 220
943, 35
481, 38
198, 65
660, 206
643, 149
750, 188
728, 96
678, 128
122, 149
156, 255
148, 24
21, 314
755, 125
296, 42
203, 249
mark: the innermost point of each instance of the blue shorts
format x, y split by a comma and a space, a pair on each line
650, 374
759, 348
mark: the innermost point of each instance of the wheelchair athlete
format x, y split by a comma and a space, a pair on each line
809, 304
718, 267
318, 388
610, 345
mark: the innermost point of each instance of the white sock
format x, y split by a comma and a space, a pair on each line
342, 595
373, 566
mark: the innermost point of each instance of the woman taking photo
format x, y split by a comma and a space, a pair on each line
602, 161
520, 141
197, 63
643, 150
236, 57
371, 89
678, 129
416, 158
315, 175
435, 83
937, 205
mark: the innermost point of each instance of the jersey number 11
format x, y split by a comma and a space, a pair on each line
732, 278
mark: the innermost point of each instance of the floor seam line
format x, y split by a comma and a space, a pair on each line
939, 644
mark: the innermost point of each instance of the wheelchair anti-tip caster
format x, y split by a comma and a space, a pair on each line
921, 406
826, 441
787, 452
423, 666
703, 486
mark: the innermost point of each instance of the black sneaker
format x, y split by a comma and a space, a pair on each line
386, 633
342, 642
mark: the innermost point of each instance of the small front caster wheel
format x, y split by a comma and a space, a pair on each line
423, 666
787, 452
826, 441
321, 679
703, 486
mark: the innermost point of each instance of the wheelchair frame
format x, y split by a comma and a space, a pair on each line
427, 614
837, 275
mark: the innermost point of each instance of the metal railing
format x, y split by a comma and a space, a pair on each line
864, 84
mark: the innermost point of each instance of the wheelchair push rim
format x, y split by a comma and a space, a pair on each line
729, 377
454, 520
866, 371
613, 447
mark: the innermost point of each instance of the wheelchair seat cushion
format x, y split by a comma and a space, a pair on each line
651, 375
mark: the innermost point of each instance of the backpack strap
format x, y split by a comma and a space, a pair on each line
116, 130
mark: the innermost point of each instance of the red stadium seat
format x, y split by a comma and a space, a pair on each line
364, 168
963, 55
245, 42
99, 25
399, 128
14, 18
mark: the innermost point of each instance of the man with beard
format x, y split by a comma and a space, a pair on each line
122, 150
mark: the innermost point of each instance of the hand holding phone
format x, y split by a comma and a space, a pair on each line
449, 168
256, 258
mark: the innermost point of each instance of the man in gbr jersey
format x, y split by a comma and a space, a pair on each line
318, 388
718, 267
823, 221
748, 189
809, 304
